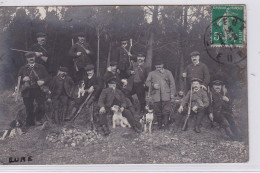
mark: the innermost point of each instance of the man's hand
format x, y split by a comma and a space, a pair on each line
172, 98
156, 86
102, 110
225, 98
26, 78
40, 82
195, 108
122, 109
211, 117
203, 87
91, 89
132, 72
38, 54
180, 109
129, 54
87, 52
79, 53
184, 75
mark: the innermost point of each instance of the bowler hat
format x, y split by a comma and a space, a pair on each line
196, 79
112, 80
113, 63
80, 34
89, 67
194, 53
140, 55
217, 82
30, 54
40, 34
158, 61
63, 69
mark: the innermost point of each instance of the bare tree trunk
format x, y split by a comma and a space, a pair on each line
109, 55
98, 37
149, 55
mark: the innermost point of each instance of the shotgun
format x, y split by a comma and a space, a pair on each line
189, 110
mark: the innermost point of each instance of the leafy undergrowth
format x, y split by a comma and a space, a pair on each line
53, 145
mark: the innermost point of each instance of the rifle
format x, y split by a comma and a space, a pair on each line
17, 88
210, 101
44, 58
129, 50
189, 110
74, 60
81, 107
91, 117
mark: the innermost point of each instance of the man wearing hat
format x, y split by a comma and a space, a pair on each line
112, 72
197, 69
33, 77
123, 57
199, 102
162, 91
138, 74
113, 96
42, 51
221, 111
61, 87
81, 53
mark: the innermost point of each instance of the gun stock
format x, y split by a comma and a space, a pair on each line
189, 110
17, 89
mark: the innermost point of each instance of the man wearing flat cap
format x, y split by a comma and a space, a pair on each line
221, 109
33, 77
42, 51
61, 87
199, 102
196, 69
162, 91
81, 54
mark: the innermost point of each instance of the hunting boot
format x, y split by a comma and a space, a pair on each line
165, 122
229, 133
106, 130
197, 129
159, 119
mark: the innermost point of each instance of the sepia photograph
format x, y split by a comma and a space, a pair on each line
123, 84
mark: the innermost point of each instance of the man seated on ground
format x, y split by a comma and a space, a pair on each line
199, 103
113, 96
221, 111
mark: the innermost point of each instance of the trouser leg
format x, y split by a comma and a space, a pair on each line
131, 119
28, 102
40, 101
166, 110
199, 116
140, 92
157, 106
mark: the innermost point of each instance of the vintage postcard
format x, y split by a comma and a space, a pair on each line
143, 84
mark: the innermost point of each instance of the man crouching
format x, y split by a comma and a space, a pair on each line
199, 102
109, 97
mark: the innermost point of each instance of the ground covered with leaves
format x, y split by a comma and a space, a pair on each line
75, 143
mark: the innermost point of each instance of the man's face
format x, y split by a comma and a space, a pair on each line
90, 72
195, 59
124, 43
159, 67
81, 39
62, 74
41, 40
31, 60
195, 85
217, 88
112, 85
140, 59
113, 68
180, 93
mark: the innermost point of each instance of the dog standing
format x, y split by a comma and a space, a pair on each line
15, 130
147, 119
118, 118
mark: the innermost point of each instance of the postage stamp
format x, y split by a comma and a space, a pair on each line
227, 25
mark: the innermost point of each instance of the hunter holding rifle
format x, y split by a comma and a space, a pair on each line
81, 53
162, 92
199, 101
33, 77
42, 51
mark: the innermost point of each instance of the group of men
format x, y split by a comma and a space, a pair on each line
126, 75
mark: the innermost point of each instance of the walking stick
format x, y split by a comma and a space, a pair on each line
91, 117
189, 110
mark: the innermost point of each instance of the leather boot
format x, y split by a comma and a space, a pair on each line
197, 129
229, 133
106, 130
159, 119
165, 121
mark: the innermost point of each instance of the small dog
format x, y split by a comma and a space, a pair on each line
147, 119
82, 90
118, 118
15, 130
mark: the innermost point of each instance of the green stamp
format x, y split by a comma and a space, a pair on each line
227, 27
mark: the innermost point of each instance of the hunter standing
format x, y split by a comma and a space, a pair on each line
33, 77
162, 92
81, 53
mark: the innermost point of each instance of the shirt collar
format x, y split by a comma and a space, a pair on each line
196, 64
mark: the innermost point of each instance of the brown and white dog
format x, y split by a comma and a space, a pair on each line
15, 130
147, 119
118, 118
81, 91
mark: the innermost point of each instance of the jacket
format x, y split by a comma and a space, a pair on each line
199, 98
166, 82
96, 82
218, 105
45, 51
108, 96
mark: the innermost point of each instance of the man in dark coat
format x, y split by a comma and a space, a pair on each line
198, 70
138, 73
81, 53
162, 91
33, 77
42, 51
221, 110
61, 87
199, 102
123, 57
112, 96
